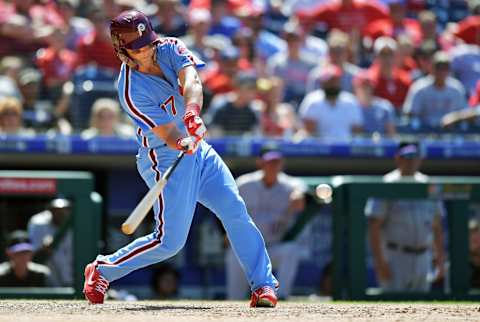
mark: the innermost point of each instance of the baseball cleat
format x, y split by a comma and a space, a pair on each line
263, 297
95, 285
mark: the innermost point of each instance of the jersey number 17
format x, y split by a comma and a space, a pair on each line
169, 104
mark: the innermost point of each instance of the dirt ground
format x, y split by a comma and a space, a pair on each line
200, 311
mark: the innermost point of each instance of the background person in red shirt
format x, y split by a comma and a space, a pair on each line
468, 29
56, 63
22, 25
475, 98
391, 82
346, 15
96, 47
396, 24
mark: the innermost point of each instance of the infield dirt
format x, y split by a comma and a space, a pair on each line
203, 311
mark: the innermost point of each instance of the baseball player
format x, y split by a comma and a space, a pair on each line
404, 234
160, 90
273, 198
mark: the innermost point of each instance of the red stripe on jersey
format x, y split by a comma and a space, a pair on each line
129, 101
156, 241
137, 251
153, 158
144, 137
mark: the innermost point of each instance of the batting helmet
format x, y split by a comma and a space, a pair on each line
131, 30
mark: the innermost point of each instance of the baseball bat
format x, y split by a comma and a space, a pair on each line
142, 209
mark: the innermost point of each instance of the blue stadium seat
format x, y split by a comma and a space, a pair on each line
90, 83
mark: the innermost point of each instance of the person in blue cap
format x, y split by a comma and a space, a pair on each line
273, 199
406, 235
19, 270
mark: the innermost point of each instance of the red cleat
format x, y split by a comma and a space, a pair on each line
95, 285
263, 297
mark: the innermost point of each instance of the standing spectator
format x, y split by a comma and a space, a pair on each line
56, 63
277, 119
96, 46
29, 83
37, 112
468, 30
169, 20
11, 121
197, 35
424, 60
24, 26
431, 97
475, 97
20, 271
105, 121
267, 43
52, 240
75, 27
378, 113
405, 52
331, 114
429, 29
10, 66
244, 40
291, 66
338, 49
346, 15
223, 22
396, 24
219, 79
391, 82
466, 65
403, 234
273, 199
237, 113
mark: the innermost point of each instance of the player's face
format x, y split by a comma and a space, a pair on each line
143, 56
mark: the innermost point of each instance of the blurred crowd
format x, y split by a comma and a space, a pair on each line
331, 69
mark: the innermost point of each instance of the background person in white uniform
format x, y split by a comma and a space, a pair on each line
272, 199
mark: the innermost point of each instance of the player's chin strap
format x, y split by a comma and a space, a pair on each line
123, 56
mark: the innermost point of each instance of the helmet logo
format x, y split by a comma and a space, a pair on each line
141, 28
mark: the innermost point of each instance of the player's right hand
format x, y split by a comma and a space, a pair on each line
188, 144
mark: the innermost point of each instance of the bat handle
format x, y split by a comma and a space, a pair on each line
139, 213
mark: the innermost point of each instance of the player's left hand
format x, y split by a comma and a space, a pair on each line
194, 124
189, 144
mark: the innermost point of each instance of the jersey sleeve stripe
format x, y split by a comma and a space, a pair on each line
131, 106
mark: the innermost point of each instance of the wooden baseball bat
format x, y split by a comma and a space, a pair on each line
142, 209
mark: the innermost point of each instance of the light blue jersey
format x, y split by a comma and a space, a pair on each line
202, 177
152, 100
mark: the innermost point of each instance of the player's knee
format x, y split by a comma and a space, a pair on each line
174, 245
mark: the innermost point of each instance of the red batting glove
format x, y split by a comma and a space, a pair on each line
188, 144
193, 122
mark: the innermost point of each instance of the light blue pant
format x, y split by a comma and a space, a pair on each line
205, 178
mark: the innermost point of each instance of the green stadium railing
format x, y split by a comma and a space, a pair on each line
349, 230
350, 195
77, 186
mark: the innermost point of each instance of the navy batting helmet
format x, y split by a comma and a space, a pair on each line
131, 30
